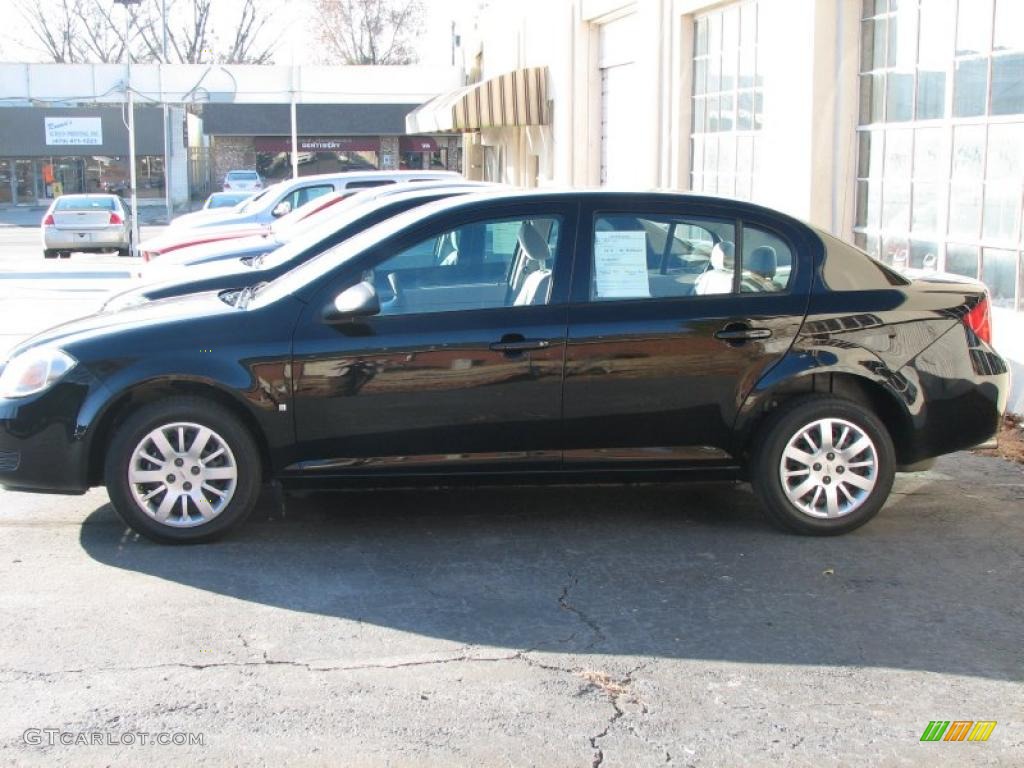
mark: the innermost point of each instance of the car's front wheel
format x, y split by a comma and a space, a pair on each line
823, 465
50, 253
183, 470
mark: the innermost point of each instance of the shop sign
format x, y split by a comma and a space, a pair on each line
73, 131
319, 144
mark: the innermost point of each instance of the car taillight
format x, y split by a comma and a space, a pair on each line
48, 221
115, 219
147, 255
979, 320
227, 186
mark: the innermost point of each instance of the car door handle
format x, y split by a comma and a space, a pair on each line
742, 333
520, 345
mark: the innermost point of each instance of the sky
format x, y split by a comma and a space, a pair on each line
296, 20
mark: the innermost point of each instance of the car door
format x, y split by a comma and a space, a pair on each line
678, 310
461, 370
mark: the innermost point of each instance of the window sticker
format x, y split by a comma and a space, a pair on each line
504, 235
620, 265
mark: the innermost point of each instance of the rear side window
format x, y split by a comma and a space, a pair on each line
657, 257
85, 204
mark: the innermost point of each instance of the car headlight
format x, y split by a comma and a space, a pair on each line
34, 371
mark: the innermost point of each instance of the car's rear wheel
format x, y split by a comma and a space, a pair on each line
65, 254
823, 466
50, 253
183, 470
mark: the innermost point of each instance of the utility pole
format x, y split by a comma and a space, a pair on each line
131, 122
167, 121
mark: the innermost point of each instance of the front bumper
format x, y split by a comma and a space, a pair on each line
69, 239
42, 443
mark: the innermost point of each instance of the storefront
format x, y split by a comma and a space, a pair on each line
48, 152
332, 138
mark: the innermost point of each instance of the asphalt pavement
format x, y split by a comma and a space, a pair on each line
588, 626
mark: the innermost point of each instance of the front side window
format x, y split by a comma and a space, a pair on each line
482, 265
303, 195
659, 257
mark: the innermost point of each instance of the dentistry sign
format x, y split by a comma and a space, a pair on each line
73, 131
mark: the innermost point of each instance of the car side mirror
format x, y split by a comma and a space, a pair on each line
358, 301
281, 209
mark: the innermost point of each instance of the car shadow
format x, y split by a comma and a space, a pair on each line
660, 571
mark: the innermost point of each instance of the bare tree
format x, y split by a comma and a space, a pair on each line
369, 31
71, 31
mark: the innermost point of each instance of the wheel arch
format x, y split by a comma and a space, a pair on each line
875, 394
120, 407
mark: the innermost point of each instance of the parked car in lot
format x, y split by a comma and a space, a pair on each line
250, 260
280, 199
541, 336
95, 222
246, 181
226, 199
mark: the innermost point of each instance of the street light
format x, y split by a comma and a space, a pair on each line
131, 122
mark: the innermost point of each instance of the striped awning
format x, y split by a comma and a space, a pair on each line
516, 98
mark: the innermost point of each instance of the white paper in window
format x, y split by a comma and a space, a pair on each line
620, 265
504, 235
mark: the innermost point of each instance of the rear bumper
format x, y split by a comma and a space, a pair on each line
69, 239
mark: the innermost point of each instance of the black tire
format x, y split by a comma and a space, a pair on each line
771, 442
198, 411
65, 254
50, 253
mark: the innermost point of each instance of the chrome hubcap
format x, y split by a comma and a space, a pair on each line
182, 474
829, 468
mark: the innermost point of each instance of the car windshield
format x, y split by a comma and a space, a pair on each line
247, 205
309, 210
72, 203
310, 232
331, 259
242, 175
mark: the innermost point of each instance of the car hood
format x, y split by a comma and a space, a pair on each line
174, 239
194, 255
184, 308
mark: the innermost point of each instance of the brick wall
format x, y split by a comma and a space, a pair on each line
232, 153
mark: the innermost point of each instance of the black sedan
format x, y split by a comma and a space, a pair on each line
585, 336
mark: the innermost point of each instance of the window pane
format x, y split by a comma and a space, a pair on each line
931, 94
725, 119
745, 155
1002, 210
999, 273
930, 161
965, 210
1009, 25
903, 37
863, 153
745, 111
767, 262
897, 153
872, 98
701, 46
928, 198
1005, 151
477, 266
935, 47
879, 47
969, 86
962, 260
697, 155
874, 203
1008, 84
867, 45
638, 257
924, 254
896, 205
699, 106
973, 27
700, 73
862, 204
899, 105
968, 143
895, 251
748, 24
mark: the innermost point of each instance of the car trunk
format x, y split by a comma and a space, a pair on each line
81, 220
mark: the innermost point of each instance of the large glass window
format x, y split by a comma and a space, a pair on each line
728, 102
940, 179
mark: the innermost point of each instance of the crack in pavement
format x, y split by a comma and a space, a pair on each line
565, 605
613, 689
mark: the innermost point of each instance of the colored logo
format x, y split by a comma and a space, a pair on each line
958, 730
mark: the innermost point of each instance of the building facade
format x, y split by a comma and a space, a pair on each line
895, 124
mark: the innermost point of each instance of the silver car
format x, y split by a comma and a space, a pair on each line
86, 223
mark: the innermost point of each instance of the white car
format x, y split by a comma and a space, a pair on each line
242, 181
97, 222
